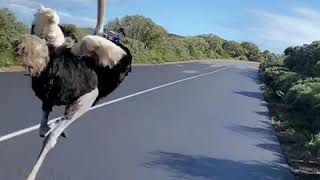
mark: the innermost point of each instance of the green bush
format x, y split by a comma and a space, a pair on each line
304, 102
297, 77
304, 59
285, 81
272, 61
148, 42
270, 75
161, 46
297, 136
313, 147
243, 58
7, 58
10, 30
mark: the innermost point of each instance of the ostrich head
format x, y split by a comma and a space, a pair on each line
46, 26
33, 53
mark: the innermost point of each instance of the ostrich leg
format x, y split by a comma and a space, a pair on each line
44, 127
73, 112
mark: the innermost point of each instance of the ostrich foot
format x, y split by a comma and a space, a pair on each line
44, 130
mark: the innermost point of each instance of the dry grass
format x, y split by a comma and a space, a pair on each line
12, 69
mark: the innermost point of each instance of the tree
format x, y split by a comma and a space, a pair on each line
252, 52
75, 32
304, 59
140, 28
10, 30
233, 49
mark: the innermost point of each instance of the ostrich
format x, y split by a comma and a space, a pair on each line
46, 26
61, 77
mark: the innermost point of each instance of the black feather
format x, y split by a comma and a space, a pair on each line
65, 79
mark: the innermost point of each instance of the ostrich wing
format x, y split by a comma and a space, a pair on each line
108, 53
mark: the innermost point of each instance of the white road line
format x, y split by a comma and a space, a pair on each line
35, 127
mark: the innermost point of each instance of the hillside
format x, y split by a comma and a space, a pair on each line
149, 42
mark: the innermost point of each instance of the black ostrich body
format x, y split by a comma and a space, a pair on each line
68, 77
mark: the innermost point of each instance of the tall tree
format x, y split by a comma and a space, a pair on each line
140, 28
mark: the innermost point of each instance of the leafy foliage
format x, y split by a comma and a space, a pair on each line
160, 46
148, 42
304, 102
10, 30
304, 59
139, 28
297, 76
74, 32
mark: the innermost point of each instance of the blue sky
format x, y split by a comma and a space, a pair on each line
272, 24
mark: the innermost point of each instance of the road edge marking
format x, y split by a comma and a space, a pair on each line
35, 127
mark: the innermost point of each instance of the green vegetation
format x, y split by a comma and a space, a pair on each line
149, 42
292, 88
74, 32
10, 29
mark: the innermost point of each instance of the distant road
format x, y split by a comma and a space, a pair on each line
199, 121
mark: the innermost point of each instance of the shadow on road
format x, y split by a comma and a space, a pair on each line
256, 95
195, 167
256, 132
263, 113
269, 140
252, 74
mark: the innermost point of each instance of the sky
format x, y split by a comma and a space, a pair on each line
271, 24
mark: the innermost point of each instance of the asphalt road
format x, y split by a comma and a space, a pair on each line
214, 126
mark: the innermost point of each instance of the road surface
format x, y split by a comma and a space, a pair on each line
199, 121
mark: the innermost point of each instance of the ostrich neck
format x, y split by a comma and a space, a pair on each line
100, 19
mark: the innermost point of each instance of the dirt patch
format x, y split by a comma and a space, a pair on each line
12, 69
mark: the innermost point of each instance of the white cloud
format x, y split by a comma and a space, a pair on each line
21, 8
280, 30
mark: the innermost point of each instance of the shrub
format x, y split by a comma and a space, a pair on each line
297, 136
313, 146
7, 58
304, 102
304, 59
270, 63
285, 81
271, 74
10, 30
